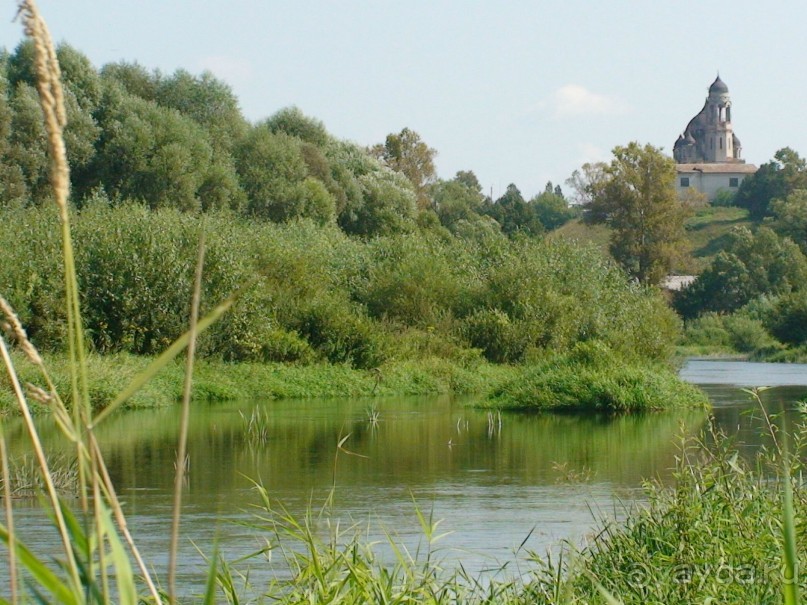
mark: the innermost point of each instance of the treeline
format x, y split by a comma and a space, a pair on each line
310, 293
180, 141
753, 296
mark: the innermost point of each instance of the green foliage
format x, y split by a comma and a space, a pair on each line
492, 331
529, 282
208, 101
790, 217
591, 378
275, 178
713, 536
751, 265
787, 319
407, 154
308, 292
293, 122
151, 153
774, 180
459, 199
634, 195
724, 198
552, 208
133, 78
180, 141
515, 215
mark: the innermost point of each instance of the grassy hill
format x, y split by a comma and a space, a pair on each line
707, 231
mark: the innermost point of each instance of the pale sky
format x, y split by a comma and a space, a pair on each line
519, 92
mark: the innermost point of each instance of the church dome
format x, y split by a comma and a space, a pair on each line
718, 86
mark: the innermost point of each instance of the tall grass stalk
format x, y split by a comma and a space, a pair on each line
185, 419
39, 452
9, 512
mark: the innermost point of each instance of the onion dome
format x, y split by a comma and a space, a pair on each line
718, 86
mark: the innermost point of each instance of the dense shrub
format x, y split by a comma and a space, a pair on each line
593, 378
308, 293
787, 319
752, 265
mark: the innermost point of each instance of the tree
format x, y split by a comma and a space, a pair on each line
379, 200
790, 217
514, 214
459, 199
776, 179
208, 101
751, 265
150, 153
585, 181
636, 198
551, 207
295, 123
408, 154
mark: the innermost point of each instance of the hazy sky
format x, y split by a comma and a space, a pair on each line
519, 92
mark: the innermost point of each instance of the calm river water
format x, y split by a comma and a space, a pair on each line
495, 484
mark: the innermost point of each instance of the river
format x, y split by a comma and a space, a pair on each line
502, 486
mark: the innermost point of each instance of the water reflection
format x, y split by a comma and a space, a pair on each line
493, 481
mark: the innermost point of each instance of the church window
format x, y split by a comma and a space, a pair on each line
734, 182
684, 181
721, 142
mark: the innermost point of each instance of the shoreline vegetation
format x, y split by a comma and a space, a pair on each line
427, 305
560, 384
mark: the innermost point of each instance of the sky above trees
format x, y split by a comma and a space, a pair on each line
519, 92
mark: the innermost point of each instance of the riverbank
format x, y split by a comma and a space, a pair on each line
221, 381
558, 383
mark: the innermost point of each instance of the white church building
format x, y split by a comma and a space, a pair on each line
708, 153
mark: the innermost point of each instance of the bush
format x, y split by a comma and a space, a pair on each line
592, 378
787, 320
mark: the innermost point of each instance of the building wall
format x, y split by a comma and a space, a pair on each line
709, 184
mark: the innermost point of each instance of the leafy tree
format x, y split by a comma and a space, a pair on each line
208, 101
469, 180
295, 123
26, 148
551, 207
379, 200
750, 266
636, 198
776, 179
151, 153
585, 181
80, 77
514, 214
133, 78
408, 154
276, 179
790, 217
13, 189
459, 199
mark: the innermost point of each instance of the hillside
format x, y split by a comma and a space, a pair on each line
707, 231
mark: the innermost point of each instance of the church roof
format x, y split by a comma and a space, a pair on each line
718, 86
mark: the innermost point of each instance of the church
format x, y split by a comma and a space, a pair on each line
708, 154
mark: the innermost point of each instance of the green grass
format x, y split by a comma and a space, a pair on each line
591, 379
708, 230
221, 381
715, 536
